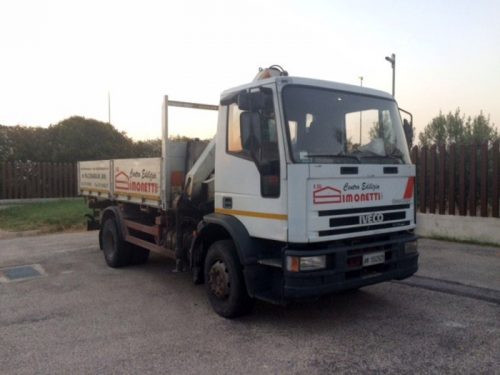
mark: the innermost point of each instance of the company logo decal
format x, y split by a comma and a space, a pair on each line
121, 181
364, 192
327, 194
136, 181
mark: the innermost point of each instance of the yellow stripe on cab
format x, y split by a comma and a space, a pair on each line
261, 215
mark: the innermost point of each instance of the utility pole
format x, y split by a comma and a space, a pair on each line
360, 113
392, 60
109, 108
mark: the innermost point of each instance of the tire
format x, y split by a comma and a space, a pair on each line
224, 281
117, 252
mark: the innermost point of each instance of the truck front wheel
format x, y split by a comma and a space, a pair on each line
116, 251
224, 281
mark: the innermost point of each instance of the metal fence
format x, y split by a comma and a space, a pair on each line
458, 179
25, 180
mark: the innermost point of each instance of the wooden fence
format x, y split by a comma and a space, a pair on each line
21, 180
458, 179
453, 180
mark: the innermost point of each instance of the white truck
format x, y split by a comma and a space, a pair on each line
307, 189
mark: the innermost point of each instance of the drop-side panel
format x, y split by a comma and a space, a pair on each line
94, 178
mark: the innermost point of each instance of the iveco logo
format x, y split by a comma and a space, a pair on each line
376, 217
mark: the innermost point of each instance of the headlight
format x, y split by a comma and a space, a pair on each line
411, 248
296, 264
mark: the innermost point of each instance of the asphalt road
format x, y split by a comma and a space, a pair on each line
82, 317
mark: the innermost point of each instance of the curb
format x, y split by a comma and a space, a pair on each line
8, 202
5, 235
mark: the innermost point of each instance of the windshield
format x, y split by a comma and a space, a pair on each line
327, 126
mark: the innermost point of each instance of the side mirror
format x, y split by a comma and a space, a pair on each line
408, 129
250, 132
251, 101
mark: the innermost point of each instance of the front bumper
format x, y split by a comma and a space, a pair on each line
342, 273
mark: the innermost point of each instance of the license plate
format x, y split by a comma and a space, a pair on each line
373, 258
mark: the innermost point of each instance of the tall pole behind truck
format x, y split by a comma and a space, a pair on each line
281, 205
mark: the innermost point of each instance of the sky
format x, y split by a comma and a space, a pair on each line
62, 58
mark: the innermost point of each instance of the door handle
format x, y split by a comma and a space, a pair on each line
227, 202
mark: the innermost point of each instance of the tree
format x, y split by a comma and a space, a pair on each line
73, 139
78, 138
479, 129
147, 149
25, 143
5, 144
456, 128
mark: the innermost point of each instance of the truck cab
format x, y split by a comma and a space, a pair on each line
318, 176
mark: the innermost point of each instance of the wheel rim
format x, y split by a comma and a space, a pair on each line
219, 280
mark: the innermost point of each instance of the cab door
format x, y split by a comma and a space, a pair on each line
248, 173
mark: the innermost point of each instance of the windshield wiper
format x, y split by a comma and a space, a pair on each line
393, 156
368, 154
340, 156
396, 153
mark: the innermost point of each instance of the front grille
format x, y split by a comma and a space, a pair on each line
363, 228
355, 220
361, 210
362, 219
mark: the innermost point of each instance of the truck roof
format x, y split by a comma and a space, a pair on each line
309, 82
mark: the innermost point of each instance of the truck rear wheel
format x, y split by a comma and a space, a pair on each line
224, 281
117, 252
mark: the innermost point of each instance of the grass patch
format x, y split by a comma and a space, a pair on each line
54, 216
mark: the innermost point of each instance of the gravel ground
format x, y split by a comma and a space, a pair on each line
82, 317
